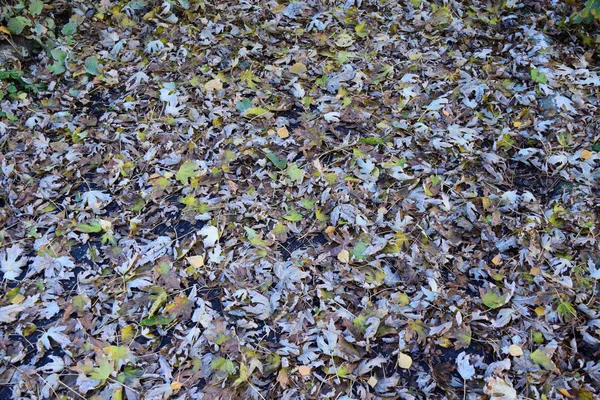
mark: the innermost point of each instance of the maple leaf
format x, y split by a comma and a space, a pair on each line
542, 359
103, 371
188, 169
121, 354
95, 199
10, 313
12, 262
211, 235
295, 173
465, 369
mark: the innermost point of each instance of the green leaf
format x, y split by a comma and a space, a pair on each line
372, 140
91, 66
69, 28
160, 300
358, 250
244, 105
36, 7
153, 321
256, 112
344, 56
59, 55
279, 162
294, 216
243, 376
493, 299
361, 30
541, 359
103, 371
92, 227
108, 237
538, 76
566, 310
57, 68
295, 173
360, 323
17, 24
188, 169
298, 69
250, 233
120, 354
223, 364
308, 203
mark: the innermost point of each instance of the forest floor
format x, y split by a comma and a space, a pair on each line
299, 200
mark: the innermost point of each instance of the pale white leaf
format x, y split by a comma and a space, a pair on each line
12, 262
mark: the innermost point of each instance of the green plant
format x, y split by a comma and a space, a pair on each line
32, 19
589, 13
14, 86
31, 26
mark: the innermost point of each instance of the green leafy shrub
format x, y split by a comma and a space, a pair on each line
589, 13
13, 86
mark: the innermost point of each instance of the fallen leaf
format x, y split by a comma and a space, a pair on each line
344, 256
566, 393
298, 69
498, 389
12, 262
372, 381
283, 132
283, 378
540, 358
213, 84
497, 260
196, 261
404, 361
515, 350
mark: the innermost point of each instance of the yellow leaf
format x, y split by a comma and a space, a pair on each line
404, 361
497, 260
304, 370
535, 271
118, 394
176, 385
585, 154
298, 69
3, 29
257, 112
344, 256
196, 261
128, 334
540, 311
282, 378
566, 393
18, 299
283, 132
486, 203
105, 224
372, 381
344, 40
515, 350
213, 84
517, 124
320, 214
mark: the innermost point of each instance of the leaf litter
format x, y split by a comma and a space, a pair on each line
299, 200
